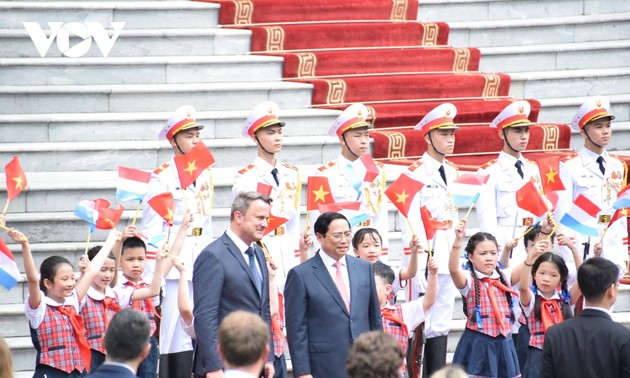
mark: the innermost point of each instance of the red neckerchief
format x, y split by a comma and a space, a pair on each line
550, 313
493, 299
79, 332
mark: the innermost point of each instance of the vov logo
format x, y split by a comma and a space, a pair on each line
87, 31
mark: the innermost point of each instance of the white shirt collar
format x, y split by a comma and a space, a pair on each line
606, 310
329, 261
239, 243
590, 155
98, 296
494, 275
431, 164
263, 165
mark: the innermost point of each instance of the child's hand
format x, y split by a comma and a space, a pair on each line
272, 267
540, 247
414, 245
84, 261
433, 266
179, 265
305, 241
565, 240
598, 249
460, 230
546, 224
511, 244
17, 236
188, 219
3, 220
128, 232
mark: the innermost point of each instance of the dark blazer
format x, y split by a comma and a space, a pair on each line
589, 345
319, 329
223, 283
111, 371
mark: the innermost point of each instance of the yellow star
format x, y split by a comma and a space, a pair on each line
320, 194
191, 167
18, 182
109, 222
624, 212
402, 197
551, 175
169, 215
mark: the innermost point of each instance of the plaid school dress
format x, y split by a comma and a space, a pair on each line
97, 310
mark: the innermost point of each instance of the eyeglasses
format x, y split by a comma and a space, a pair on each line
338, 235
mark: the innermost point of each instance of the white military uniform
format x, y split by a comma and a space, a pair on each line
283, 243
198, 198
580, 174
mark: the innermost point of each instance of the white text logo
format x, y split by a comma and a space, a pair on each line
62, 32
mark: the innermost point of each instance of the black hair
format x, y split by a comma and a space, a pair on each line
385, 272
470, 249
564, 274
362, 233
92, 252
595, 276
48, 270
133, 242
323, 222
532, 235
127, 335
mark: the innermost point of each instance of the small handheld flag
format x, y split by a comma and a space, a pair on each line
164, 205
623, 198
132, 184
402, 191
351, 210
549, 173
16, 179
371, 170
466, 188
264, 189
319, 193
273, 223
192, 164
529, 199
582, 216
9, 272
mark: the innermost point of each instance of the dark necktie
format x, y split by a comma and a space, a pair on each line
254, 269
442, 174
519, 168
602, 164
274, 173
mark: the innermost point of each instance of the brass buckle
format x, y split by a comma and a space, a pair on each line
196, 231
279, 231
364, 223
604, 218
528, 221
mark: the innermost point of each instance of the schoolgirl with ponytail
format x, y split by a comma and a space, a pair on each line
485, 349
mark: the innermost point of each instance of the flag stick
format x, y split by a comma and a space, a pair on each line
6, 206
604, 234
553, 231
168, 236
4, 228
413, 233
87, 244
526, 232
469, 210
307, 222
135, 216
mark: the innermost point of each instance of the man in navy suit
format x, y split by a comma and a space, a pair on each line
330, 300
591, 344
127, 344
231, 274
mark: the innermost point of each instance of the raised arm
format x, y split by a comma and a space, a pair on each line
457, 274
95, 265
412, 267
178, 243
156, 283
32, 275
183, 299
432, 286
305, 244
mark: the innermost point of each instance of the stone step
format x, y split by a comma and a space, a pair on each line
136, 15
562, 110
544, 30
140, 70
549, 57
150, 97
557, 83
84, 127
142, 42
484, 10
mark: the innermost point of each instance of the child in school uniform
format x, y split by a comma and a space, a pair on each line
485, 349
542, 303
367, 244
52, 309
400, 319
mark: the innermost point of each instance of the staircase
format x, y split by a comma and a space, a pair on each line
72, 121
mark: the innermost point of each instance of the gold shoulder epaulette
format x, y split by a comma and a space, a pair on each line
415, 165
488, 164
245, 169
326, 166
569, 156
161, 168
290, 166
451, 164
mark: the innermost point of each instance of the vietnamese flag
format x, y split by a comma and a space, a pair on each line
549, 173
319, 193
620, 213
264, 189
529, 199
191, 165
164, 205
371, 170
431, 225
16, 179
274, 222
402, 191
108, 217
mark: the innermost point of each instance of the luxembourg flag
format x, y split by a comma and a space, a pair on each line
350, 210
9, 272
87, 211
623, 199
466, 188
582, 216
132, 184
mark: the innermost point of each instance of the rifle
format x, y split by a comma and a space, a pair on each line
416, 353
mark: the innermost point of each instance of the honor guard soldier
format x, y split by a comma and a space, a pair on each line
496, 208
282, 182
437, 174
598, 175
346, 173
182, 132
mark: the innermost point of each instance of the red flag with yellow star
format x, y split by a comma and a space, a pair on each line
108, 217
550, 174
164, 205
191, 165
273, 222
618, 215
402, 191
264, 189
431, 224
318, 193
16, 179
529, 199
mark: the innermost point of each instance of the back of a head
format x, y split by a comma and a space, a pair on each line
6, 366
450, 371
375, 355
595, 276
385, 272
127, 335
243, 338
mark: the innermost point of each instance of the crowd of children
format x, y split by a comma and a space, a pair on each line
512, 291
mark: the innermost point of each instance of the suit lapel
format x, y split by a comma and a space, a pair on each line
233, 249
353, 274
321, 273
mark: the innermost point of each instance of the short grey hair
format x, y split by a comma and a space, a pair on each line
243, 200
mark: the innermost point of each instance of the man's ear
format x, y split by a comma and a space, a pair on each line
266, 353
146, 351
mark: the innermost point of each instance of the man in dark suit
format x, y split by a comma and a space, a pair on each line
591, 344
330, 300
127, 344
231, 274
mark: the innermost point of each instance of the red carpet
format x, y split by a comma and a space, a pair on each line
404, 59
275, 11
276, 38
412, 87
468, 111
